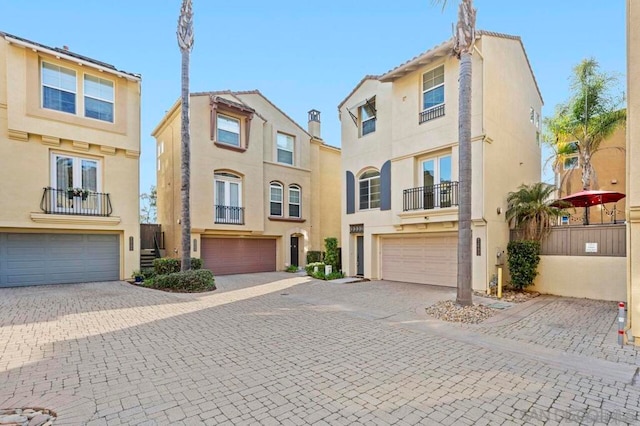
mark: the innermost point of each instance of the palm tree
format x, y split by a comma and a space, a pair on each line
590, 116
185, 42
529, 210
464, 40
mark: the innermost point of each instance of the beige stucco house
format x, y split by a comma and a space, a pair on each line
400, 162
609, 164
633, 171
69, 160
264, 190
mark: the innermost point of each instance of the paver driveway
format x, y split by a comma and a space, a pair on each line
283, 349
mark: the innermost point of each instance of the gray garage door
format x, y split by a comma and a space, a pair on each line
34, 259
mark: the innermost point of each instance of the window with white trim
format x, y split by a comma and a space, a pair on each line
369, 190
571, 160
98, 98
436, 182
75, 182
228, 198
433, 88
58, 88
275, 199
367, 117
227, 130
285, 147
294, 201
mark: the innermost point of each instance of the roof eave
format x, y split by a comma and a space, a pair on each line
437, 52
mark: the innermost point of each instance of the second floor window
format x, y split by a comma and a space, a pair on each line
228, 130
98, 98
285, 148
228, 198
367, 117
433, 88
58, 88
275, 199
369, 190
294, 201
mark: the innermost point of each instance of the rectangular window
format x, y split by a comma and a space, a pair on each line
228, 130
73, 178
294, 202
433, 88
436, 180
571, 163
367, 117
285, 148
98, 98
275, 200
58, 88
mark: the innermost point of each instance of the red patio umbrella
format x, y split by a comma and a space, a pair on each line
588, 199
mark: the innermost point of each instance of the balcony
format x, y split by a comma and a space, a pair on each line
229, 215
75, 202
431, 197
430, 114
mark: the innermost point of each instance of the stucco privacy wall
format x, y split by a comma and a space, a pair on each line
30, 135
633, 170
591, 277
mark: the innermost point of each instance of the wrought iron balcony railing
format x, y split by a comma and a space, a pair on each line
229, 215
75, 202
430, 114
430, 197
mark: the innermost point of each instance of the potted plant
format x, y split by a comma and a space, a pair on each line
78, 192
138, 277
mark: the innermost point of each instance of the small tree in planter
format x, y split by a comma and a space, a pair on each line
331, 253
524, 257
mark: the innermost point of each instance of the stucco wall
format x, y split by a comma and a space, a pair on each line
602, 278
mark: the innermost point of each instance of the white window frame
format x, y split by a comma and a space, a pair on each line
160, 150
279, 147
292, 189
58, 197
227, 179
440, 192
112, 102
369, 179
362, 111
43, 85
272, 186
230, 118
574, 159
423, 91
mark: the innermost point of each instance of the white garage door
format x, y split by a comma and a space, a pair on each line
418, 259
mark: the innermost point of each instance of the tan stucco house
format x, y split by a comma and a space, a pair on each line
69, 160
400, 162
264, 190
633, 171
609, 164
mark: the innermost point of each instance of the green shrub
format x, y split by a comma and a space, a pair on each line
311, 266
334, 275
170, 265
524, 257
314, 256
331, 254
185, 282
148, 273
292, 268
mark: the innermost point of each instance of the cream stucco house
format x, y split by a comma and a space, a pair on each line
69, 160
633, 171
400, 162
264, 191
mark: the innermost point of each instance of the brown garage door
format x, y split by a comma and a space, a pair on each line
225, 256
418, 259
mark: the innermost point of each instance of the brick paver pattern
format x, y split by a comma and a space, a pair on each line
275, 349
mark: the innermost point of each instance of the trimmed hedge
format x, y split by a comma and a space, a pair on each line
314, 256
170, 265
524, 256
192, 281
331, 252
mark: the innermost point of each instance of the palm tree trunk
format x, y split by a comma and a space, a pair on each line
185, 172
465, 237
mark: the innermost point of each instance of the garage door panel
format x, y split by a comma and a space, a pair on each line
33, 259
420, 259
226, 256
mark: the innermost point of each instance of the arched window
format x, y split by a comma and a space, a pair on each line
369, 190
295, 199
275, 199
228, 198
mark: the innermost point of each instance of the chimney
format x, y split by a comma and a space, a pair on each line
65, 47
314, 123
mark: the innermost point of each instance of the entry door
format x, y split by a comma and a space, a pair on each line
294, 251
360, 255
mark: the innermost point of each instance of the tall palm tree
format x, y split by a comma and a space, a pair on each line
590, 116
185, 42
464, 40
529, 210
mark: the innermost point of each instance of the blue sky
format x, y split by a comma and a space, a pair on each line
305, 55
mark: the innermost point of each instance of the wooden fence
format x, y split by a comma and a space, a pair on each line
584, 240
147, 232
